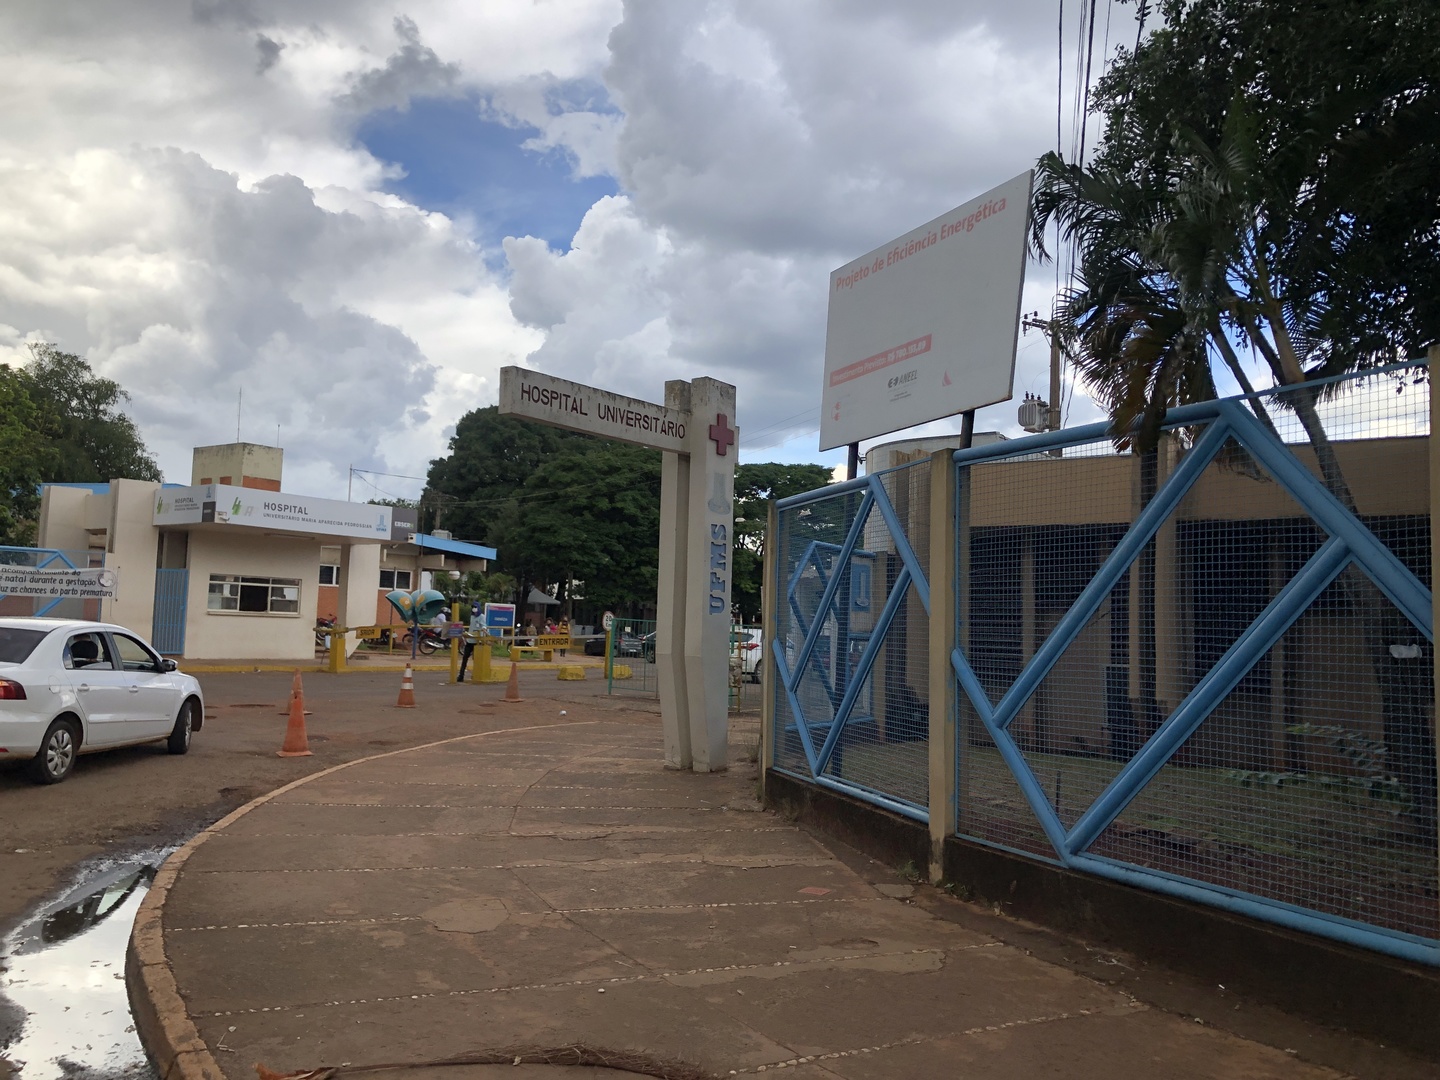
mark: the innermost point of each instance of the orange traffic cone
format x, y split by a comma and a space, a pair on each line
512, 685
296, 745
407, 690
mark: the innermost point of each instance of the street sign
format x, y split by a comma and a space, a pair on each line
577, 407
500, 616
607, 621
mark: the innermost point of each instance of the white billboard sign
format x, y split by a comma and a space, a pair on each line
577, 407
86, 584
925, 326
225, 504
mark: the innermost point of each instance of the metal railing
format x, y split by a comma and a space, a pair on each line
1205, 670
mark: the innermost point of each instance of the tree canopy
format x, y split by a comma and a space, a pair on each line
61, 423
755, 486
1267, 180
560, 507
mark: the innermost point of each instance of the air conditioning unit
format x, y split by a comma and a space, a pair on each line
442, 534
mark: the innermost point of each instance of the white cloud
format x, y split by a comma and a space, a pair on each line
184, 201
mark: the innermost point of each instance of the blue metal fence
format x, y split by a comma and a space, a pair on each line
168, 623
1206, 671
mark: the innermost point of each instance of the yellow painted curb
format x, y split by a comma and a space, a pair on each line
570, 673
621, 671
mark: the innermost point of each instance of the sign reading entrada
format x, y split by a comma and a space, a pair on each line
566, 404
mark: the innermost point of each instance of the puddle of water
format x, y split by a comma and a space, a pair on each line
64, 968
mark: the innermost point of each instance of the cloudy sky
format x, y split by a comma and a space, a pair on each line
356, 211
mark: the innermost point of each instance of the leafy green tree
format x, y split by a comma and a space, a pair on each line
755, 487
500, 588
60, 422
25, 461
558, 506
490, 460
78, 413
590, 513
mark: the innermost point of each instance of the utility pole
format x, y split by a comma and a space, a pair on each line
1047, 327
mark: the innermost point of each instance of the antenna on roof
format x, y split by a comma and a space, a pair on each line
239, 401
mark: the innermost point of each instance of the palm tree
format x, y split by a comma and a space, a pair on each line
1172, 264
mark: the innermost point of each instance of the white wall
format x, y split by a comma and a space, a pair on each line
62, 518
249, 635
130, 549
359, 572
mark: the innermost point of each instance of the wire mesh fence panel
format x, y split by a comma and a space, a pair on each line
854, 634
1193, 660
1367, 439
1216, 561
884, 746
631, 661
809, 538
1313, 782
1033, 530
990, 806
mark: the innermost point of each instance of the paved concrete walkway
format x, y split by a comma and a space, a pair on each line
547, 883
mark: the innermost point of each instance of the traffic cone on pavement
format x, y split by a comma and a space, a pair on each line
296, 745
407, 690
512, 685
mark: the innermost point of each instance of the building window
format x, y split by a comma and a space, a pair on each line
329, 575
395, 579
255, 595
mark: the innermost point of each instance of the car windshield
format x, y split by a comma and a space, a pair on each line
17, 643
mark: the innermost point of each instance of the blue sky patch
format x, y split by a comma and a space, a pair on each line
457, 162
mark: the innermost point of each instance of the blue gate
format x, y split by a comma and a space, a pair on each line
168, 628
1205, 671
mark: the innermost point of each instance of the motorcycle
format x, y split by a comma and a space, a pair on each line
430, 641
322, 639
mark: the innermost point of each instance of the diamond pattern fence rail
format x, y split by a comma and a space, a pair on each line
1206, 669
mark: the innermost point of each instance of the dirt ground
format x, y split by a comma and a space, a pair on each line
144, 797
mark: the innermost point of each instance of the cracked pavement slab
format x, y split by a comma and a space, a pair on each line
554, 886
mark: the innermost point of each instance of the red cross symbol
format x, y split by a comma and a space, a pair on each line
721, 434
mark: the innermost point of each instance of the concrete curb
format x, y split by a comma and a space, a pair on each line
162, 1022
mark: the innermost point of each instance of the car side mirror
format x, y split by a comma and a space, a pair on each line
170, 665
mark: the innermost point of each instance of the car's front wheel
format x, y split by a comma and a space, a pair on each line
179, 741
58, 751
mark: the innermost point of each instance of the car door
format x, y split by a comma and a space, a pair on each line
155, 699
102, 689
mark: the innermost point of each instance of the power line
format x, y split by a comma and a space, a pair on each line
377, 472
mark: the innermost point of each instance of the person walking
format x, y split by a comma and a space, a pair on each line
467, 650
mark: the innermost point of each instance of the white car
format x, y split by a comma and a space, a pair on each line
748, 643
68, 687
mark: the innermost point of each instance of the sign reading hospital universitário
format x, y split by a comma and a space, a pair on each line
225, 504
925, 326
566, 404
88, 584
